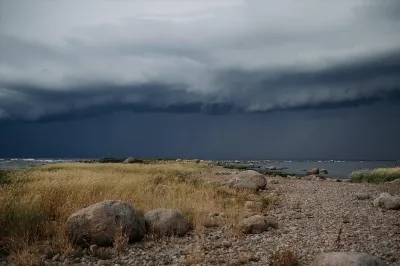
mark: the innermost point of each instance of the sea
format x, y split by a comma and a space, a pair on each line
335, 168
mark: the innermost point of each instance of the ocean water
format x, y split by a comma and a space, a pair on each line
16, 163
336, 169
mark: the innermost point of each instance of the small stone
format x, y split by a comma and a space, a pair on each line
56, 257
362, 196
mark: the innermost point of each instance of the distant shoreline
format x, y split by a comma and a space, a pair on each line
335, 169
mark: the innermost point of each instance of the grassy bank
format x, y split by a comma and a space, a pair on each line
379, 175
35, 203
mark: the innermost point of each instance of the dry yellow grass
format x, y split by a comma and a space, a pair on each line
33, 212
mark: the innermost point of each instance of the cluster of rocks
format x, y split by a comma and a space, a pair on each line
100, 223
384, 200
316, 171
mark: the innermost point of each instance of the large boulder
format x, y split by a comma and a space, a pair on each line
166, 222
313, 171
255, 224
346, 259
387, 201
250, 179
100, 223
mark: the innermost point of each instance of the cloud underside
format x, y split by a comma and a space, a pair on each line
238, 91
237, 57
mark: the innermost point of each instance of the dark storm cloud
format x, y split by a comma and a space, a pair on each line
344, 85
198, 57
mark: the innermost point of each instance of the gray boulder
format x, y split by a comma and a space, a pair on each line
362, 196
323, 171
255, 224
346, 259
272, 168
248, 179
387, 201
166, 222
100, 223
313, 171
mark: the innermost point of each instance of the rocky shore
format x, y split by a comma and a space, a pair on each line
313, 217
310, 218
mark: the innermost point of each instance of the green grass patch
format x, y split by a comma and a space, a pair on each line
379, 175
5, 177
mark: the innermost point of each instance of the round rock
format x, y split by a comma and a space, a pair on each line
248, 179
362, 196
255, 224
99, 223
166, 222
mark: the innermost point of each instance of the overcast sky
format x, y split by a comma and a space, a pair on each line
238, 79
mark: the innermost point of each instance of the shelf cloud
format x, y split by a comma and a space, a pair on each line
70, 59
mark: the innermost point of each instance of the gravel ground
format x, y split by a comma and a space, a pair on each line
313, 217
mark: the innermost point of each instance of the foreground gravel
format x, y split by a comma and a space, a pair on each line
312, 217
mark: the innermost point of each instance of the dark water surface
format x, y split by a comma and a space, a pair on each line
337, 169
